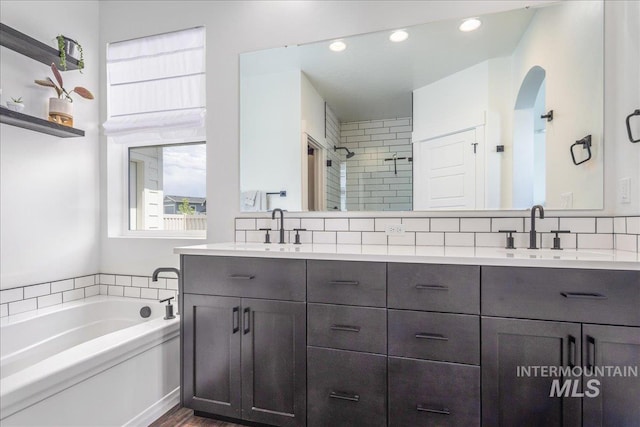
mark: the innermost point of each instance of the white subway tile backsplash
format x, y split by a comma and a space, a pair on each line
382, 223
445, 224
429, 239
4, 310
492, 240
166, 293
73, 295
361, 224
604, 225
595, 241
172, 284
273, 224
90, 291
476, 225
104, 289
459, 239
349, 237
543, 225
22, 306
148, 293
10, 295
49, 300
324, 237
37, 290
123, 280
336, 224
290, 223
240, 236
61, 286
620, 225
245, 224
633, 225
578, 225
373, 238
498, 224
626, 242
161, 283
140, 281
258, 236
567, 240
116, 290
132, 292
404, 239
107, 279
416, 224
84, 281
312, 224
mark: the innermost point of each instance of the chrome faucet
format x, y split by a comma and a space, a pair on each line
165, 270
532, 232
273, 216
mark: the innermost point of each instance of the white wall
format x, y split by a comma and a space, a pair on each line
555, 40
49, 186
271, 137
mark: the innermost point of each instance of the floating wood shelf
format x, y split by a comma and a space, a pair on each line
34, 49
37, 124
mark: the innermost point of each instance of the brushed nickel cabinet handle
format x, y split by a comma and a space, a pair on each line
432, 287
344, 396
241, 277
583, 295
344, 282
345, 328
441, 411
428, 336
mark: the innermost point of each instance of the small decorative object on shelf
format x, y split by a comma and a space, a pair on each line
15, 104
70, 48
60, 108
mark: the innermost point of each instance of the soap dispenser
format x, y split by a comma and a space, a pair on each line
168, 309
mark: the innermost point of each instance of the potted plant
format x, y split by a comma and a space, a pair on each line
60, 108
71, 48
15, 104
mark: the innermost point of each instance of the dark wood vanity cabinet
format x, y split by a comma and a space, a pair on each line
293, 342
565, 305
244, 357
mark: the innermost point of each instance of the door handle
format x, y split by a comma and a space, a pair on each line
236, 319
344, 282
591, 352
572, 351
241, 276
246, 320
583, 295
432, 287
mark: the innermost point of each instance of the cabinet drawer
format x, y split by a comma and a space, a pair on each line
423, 393
347, 282
431, 287
282, 279
435, 336
574, 295
346, 388
348, 328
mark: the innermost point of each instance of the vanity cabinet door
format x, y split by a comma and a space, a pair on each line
211, 354
512, 400
274, 362
618, 399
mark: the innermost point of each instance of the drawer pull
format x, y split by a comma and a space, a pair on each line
584, 295
426, 336
241, 277
345, 328
591, 352
246, 320
344, 282
572, 351
433, 287
441, 411
344, 396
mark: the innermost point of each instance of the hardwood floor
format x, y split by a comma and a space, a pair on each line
184, 417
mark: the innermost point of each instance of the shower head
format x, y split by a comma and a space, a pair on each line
350, 153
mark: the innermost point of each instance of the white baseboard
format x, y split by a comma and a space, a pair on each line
156, 410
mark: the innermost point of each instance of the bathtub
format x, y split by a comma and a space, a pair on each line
93, 362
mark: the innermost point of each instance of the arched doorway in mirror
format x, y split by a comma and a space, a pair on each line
529, 141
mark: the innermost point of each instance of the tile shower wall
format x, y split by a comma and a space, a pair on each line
621, 233
32, 297
332, 129
373, 182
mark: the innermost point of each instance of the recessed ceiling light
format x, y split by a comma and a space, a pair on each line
337, 46
399, 36
470, 24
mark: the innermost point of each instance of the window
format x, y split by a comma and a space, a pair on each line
156, 135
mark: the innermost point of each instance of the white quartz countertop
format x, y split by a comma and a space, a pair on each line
589, 258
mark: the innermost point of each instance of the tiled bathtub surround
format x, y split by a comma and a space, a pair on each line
621, 233
32, 297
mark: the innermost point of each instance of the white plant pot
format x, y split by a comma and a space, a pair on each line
15, 106
61, 111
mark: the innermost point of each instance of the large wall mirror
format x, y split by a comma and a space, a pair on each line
504, 116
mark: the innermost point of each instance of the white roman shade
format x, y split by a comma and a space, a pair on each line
156, 84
